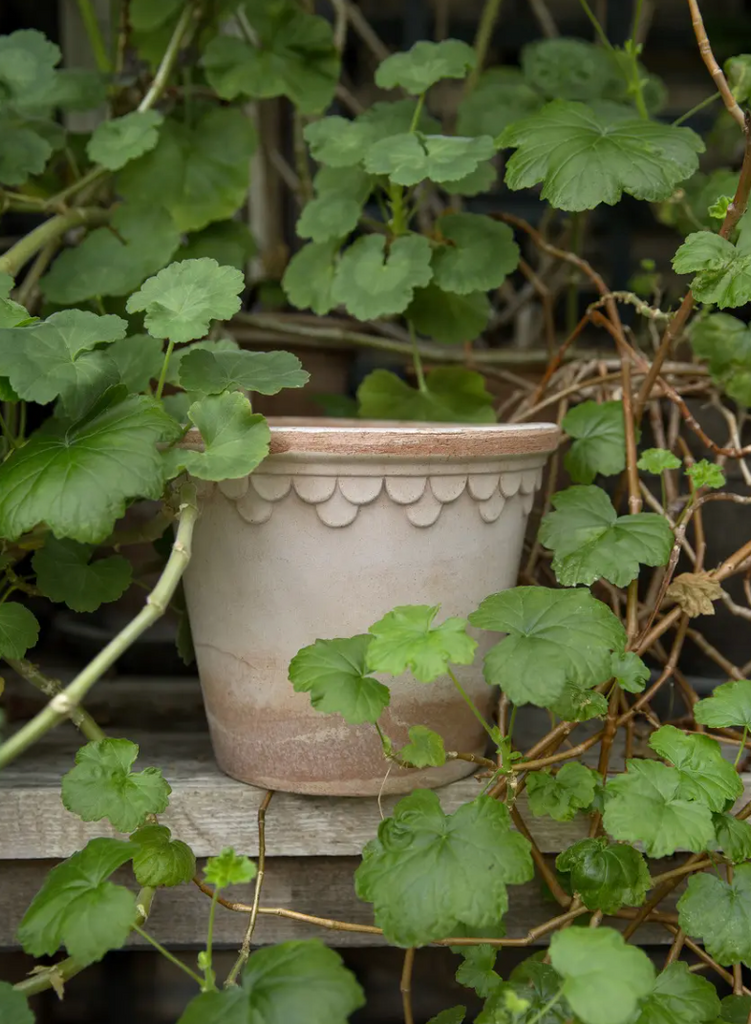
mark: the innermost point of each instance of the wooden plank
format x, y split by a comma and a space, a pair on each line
318, 886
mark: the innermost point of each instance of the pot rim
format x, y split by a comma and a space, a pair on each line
292, 435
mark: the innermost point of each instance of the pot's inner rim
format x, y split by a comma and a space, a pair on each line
303, 425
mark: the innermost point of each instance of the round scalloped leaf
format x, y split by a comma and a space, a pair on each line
583, 157
705, 774
480, 253
309, 278
13, 1006
606, 876
65, 573
570, 69
733, 838
27, 68
604, 978
599, 440
447, 317
425, 748
24, 152
428, 873
371, 282
554, 637
235, 439
656, 461
290, 982
181, 301
229, 868
729, 705
78, 476
719, 913
19, 630
723, 270
629, 671
500, 97
229, 242
159, 860
560, 796
590, 541
425, 64
411, 157
334, 673
405, 638
451, 395
78, 908
267, 373
115, 143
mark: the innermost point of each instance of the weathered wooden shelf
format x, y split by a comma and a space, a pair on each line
313, 844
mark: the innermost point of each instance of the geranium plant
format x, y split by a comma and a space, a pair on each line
111, 342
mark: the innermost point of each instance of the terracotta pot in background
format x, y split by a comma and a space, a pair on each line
342, 522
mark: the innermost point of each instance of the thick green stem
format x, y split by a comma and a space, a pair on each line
167, 64
20, 253
60, 707
398, 213
67, 969
165, 367
490, 13
52, 688
471, 705
742, 748
417, 113
94, 33
416, 360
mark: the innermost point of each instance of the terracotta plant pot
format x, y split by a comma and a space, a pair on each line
342, 522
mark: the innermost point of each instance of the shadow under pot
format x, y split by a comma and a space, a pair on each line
342, 522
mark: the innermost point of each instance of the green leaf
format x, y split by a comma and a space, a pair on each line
23, 154
12, 314
78, 908
447, 317
719, 913
604, 978
293, 981
500, 97
629, 671
235, 439
706, 474
657, 460
339, 142
229, 868
735, 1010
479, 255
600, 440
66, 574
680, 997
480, 180
371, 282
176, 358
102, 785
15, 1010
554, 636
27, 68
724, 342
53, 357
590, 541
647, 804
606, 876
534, 991
309, 277
410, 157
115, 143
405, 638
560, 796
335, 211
476, 971
160, 860
733, 837
452, 395
425, 64
579, 704
570, 69
738, 72
113, 262
428, 873
138, 360
181, 301
729, 705
78, 476
19, 630
79, 89
723, 271
228, 242
425, 748
333, 672
584, 158
199, 173
455, 1015
705, 774
267, 373
296, 57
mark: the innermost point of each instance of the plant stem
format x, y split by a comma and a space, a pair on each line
245, 949
600, 31
742, 747
416, 360
165, 367
166, 953
695, 110
7, 433
405, 986
489, 16
20, 253
51, 688
705, 49
416, 116
167, 63
398, 215
94, 34
467, 700
60, 707
209, 982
